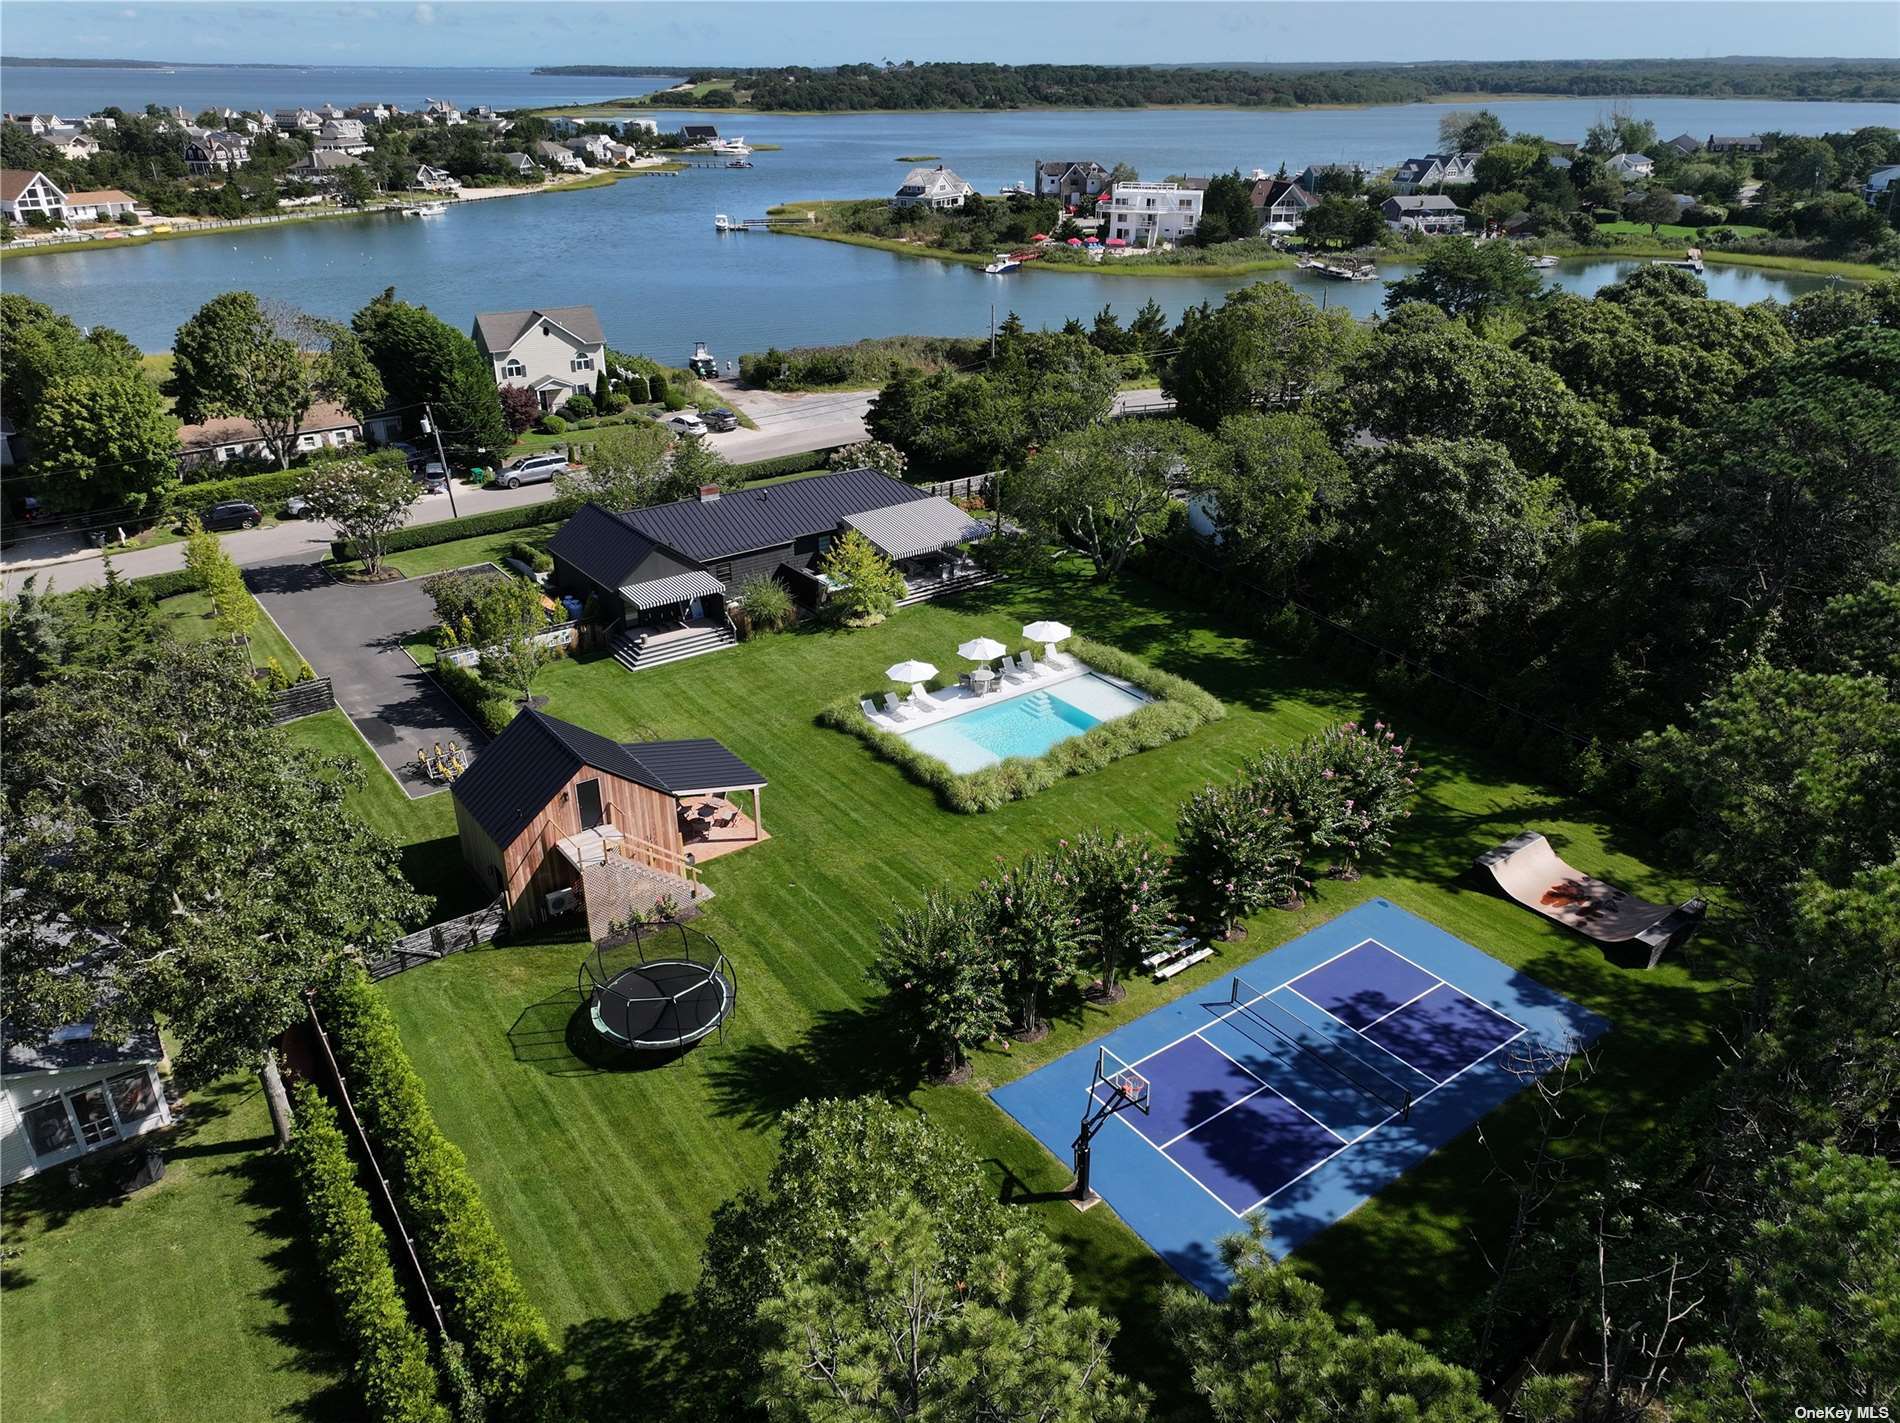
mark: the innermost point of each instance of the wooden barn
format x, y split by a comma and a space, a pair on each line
547, 801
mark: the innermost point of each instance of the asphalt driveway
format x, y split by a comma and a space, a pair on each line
353, 634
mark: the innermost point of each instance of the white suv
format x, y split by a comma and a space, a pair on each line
685, 423
531, 469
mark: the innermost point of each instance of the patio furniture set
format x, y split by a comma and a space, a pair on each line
981, 681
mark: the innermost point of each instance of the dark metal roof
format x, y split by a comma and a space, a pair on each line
701, 764
520, 771
74, 1046
747, 520
601, 547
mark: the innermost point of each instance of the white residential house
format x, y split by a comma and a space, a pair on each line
1150, 214
931, 188
24, 192
1631, 165
299, 120
520, 165
436, 180
70, 142
484, 111
1880, 184
650, 127
374, 113
100, 205
330, 111
76, 1094
37, 124
1435, 171
216, 151
1069, 179
100, 123
324, 426
324, 166
1281, 204
1422, 212
556, 352
342, 136
441, 111
552, 155
596, 148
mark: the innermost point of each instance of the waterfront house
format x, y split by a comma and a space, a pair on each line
1631, 165
1435, 171
596, 148
324, 166
76, 1094
1323, 178
1150, 214
931, 188
37, 124
554, 817
556, 156
1069, 180
660, 575
1422, 212
70, 142
299, 120
215, 151
324, 426
342, 136
373, 113
441, 111
329, 111
100, 205
1686, 144
650, 127
1280, 204
99, 123
1736, 143
700, 133
519, 165
1881, 184
25, 192
557, 352
436, 180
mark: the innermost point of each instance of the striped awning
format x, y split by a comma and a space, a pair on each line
918, 527
680, 588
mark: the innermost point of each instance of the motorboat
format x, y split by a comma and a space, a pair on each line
1545, 262
722, 223
740, 163
1339, 271
1003, 263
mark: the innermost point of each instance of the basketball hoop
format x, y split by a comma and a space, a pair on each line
1114, 1087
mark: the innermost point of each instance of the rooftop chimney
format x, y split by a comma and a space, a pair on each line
708, 493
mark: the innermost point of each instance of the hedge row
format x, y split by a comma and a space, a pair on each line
782, 464
160, 586
469, 526
508, 1346
390, 1358
492, 710
263, 490
1178, 708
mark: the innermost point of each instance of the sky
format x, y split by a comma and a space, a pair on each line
677, 33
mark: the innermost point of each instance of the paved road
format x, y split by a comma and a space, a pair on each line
353, 633
790, 423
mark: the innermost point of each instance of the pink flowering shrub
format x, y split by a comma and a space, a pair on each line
1032, 922
1126, 900
944, 982
1378, 781
1235, 852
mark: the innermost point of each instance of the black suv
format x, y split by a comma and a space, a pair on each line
232, 514
719, 419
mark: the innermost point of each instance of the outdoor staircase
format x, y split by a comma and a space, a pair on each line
675, 647
947, 587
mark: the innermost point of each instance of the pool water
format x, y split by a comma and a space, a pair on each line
1026, 724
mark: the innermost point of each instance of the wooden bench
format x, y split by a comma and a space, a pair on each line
1184, 962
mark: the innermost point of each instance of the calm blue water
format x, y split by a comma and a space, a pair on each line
1024, 725
643, 252
72, 92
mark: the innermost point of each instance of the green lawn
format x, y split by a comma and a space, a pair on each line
459, 553
603, 1182
1674, 231
193, 1300
189, 617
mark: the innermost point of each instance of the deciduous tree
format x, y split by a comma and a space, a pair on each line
628, 467
102, 441
942, 982
1266, 345
367, 501
1109, 487
868, 586
1276, 494
1476, 280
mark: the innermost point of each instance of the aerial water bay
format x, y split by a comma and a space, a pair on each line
643, 251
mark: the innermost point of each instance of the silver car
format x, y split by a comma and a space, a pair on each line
531, 469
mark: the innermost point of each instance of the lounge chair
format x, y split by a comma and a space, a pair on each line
896, 710
1021, 670
1060, 661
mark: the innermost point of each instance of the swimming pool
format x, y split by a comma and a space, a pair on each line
1026, 724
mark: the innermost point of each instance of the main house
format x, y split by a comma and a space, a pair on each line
1422, 212
1435, 171
557, 352
663, 575
1069, 179
1280, 204
1150, 214
554, 817
935, 187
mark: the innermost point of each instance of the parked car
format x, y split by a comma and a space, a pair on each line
719, 419
296, 506
232, 514
685, 423
433, 474
531, 469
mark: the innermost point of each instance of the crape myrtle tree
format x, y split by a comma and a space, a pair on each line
1029, 917
170, 852
1124, 894
1377, 784
1266, 345
367, 501
1109, 487
268, 364
1235, 854
943, 984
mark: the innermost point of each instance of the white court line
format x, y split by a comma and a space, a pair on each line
1256, 1077
1442, 983
1237, 1215
1264, 1083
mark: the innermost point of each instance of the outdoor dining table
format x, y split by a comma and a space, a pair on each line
982, 678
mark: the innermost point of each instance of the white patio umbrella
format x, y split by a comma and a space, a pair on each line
914, 672
1046, 633
982, 649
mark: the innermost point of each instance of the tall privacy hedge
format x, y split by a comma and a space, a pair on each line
389, 1356
263, 490
1177, 708
469, 526
509, 1350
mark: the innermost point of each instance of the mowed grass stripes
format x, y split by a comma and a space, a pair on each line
604, 1182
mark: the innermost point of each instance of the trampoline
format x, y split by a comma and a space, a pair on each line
666, 989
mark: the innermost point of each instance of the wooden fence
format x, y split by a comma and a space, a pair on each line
976, 486
438, 941
302, 699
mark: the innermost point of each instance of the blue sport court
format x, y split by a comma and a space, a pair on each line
1303, 1083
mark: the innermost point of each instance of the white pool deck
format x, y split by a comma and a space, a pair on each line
952, 702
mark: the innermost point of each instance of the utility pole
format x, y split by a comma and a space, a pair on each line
992, 333
448, 475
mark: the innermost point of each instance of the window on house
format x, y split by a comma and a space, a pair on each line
49, 1128
96, 1126
133, 1097
581, 363
512, 367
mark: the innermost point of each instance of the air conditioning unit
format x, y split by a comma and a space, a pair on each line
560, 901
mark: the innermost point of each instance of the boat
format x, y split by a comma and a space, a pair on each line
729, 147
1003, 263
1339, 271
722, 223
425, 210
1544, 261
740, 163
